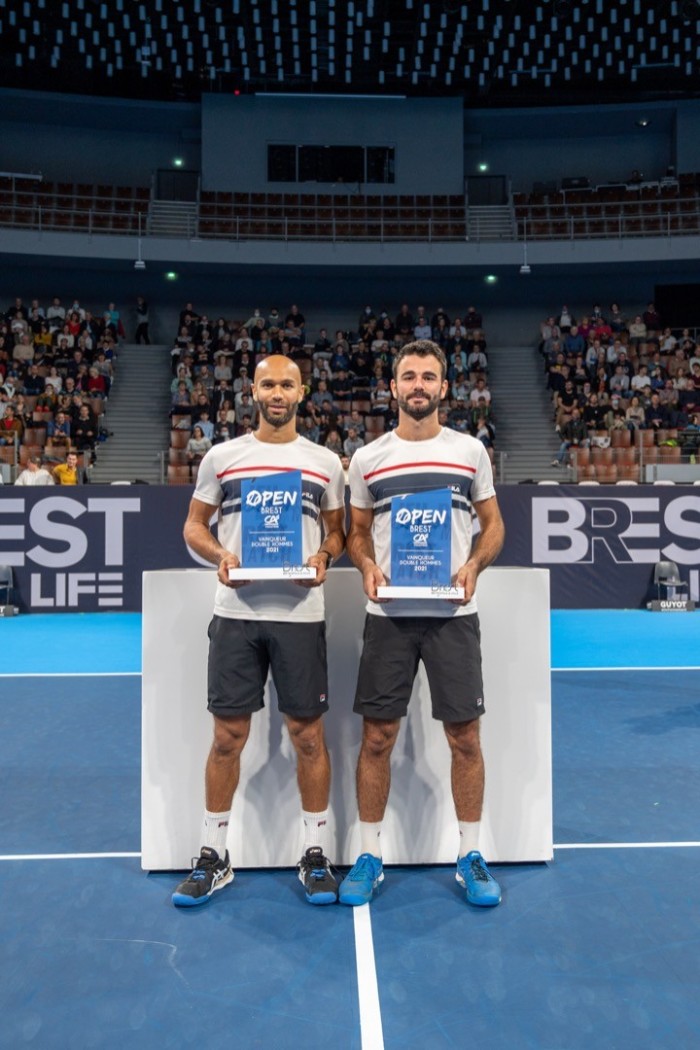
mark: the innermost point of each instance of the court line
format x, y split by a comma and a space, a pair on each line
367, 989
622, 845
137, 674
71, 674
683, 667
64, 856
363, 933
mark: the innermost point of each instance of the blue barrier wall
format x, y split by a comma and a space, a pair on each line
84, 549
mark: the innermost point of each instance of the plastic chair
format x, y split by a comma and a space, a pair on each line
179, 438
666, 575
7, 585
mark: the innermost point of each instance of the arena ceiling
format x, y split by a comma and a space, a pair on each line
489, 52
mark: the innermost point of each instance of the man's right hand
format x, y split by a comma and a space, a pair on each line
229, 561
373, 577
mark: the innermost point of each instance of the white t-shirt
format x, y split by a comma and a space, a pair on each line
392, 466
219, 479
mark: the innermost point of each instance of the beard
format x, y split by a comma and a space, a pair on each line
280, 420
415, 411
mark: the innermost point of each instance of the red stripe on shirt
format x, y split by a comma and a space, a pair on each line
427, 463
278, 470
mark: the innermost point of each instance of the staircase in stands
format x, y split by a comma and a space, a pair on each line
491, 223
172, 219
136, 416
523, 414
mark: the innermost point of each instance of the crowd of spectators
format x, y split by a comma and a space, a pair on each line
347, 377
56, 370
629, 382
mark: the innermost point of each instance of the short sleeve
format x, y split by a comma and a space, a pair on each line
334, 496
482, 487
360, 495
208, 489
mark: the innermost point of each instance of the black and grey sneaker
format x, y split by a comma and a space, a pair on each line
210, 873
317, 878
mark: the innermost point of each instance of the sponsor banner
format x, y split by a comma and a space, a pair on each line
84, 549
601, 543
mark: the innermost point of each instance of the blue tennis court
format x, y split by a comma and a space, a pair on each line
601, 946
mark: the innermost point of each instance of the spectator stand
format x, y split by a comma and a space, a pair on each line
347, 379
668, 207
638, 392
55, 360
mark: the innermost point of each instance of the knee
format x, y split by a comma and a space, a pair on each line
379, 737
307, 739
463, 739
229, 741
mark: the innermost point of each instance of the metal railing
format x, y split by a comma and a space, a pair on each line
678, 217
621, 219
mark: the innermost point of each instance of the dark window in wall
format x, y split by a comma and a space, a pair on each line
330, 164
380, 164
281, 163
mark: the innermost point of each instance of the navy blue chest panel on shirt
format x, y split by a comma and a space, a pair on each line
311, 495
383, 488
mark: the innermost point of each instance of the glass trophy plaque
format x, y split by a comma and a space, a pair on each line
271, 533
421, 547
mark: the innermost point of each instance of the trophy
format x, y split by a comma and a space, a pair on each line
421, 547
271, 544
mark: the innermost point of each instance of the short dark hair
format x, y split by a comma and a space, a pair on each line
421, 348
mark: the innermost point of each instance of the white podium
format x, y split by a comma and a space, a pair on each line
420, 824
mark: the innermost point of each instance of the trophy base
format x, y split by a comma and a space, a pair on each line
447, 592
297, 572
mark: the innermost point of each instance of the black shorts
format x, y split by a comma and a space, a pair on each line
242, 652
451, 653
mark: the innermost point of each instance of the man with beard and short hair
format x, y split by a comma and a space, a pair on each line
419, 456
275, 624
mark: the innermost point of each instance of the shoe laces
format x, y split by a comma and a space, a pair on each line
202, 866
365, 865
478, 869
316, 864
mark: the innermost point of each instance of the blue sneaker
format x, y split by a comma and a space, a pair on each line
361, 881
472, 873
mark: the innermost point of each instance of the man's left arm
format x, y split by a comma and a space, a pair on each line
486, 549
332, 546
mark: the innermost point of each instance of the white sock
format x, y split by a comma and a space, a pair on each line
215, 831
315, 825
468, 836
369, 838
